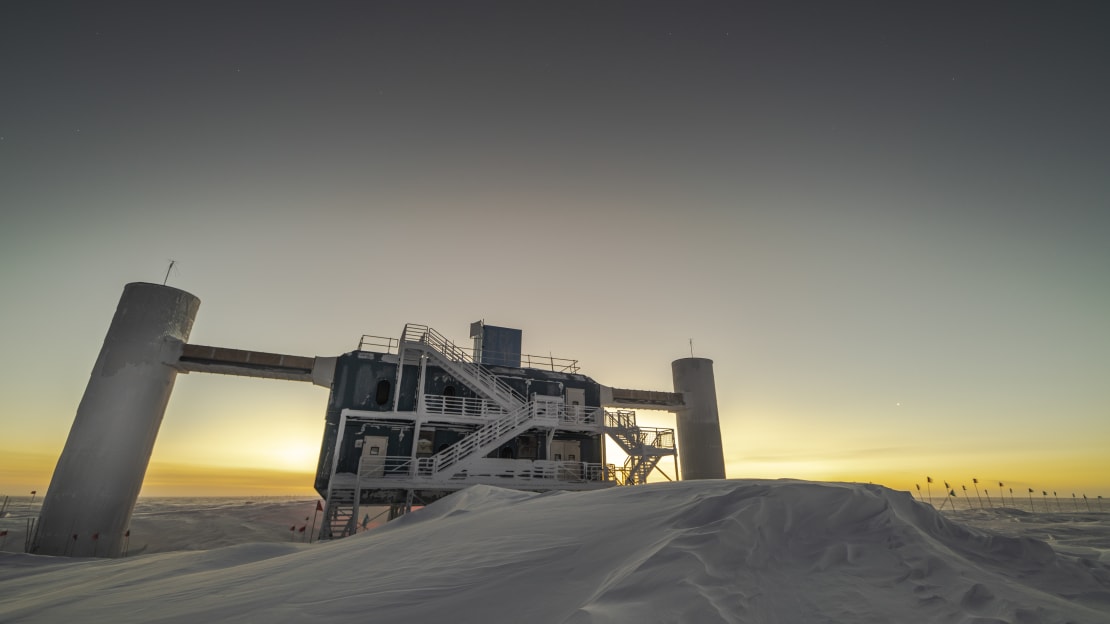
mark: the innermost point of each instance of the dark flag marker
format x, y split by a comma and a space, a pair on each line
1087, 502
965, 496
919, 491
1002, 493
1031, 500
975, 482
1075, 500
301, 531
929, 487
292, 533
319, 508
96, 541
1057, 497
988, 494
3, 539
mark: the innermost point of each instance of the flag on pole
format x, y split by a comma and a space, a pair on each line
946, 486
928, 479
303, 527
3, 533
319, 506
974, 480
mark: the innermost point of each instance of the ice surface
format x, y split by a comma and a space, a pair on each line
703, 551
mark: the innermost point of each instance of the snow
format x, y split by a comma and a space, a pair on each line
697, 551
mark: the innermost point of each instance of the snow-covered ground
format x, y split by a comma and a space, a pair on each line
703, 551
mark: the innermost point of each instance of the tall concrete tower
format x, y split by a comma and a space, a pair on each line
101, 469
700, 452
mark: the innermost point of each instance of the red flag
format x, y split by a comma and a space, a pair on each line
127, 533
3, 533
301, 530
75, 537
319, 506
96, 536
293, 528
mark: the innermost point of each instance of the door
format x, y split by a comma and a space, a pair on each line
569, 452
372, 465
576, 404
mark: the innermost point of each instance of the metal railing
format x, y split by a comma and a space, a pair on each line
464, 407
542, 362
482, 380
367, 342
385, 467
635, 439
488, 435
509, 470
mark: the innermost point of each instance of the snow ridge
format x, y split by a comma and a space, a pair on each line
708, 551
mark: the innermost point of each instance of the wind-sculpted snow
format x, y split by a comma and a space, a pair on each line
708, 551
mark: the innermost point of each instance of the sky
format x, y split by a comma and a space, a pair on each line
886, 222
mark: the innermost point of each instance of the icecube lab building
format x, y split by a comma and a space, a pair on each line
408, 421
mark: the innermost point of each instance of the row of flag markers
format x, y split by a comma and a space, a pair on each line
293, 530
1002, 494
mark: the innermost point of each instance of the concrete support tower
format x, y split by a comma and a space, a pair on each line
101, 469
700, 452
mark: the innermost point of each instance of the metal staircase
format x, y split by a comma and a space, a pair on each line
340, 514
461, 364
645, 446
486, 438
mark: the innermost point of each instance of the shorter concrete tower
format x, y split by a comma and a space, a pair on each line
101, 469
700, 452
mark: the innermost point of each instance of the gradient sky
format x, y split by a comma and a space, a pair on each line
888, 223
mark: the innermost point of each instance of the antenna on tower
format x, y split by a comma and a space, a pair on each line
168, 269
691, 347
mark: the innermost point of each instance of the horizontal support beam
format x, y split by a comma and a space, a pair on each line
643, 399
224, 361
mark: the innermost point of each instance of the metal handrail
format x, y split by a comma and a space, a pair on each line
390, 344
465, 407
487, 434
403, 467
498, 389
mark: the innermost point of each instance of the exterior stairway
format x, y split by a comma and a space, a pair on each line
461, 364
486, 438
339, 514
645, 446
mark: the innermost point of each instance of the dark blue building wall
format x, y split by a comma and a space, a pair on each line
365, 381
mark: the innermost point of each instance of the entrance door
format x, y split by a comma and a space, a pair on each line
569, 451
576, 403
372, 465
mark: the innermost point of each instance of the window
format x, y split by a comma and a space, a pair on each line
381, 397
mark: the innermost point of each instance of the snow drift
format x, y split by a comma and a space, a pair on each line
704, 551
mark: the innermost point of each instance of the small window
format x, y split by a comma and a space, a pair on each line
381, 397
